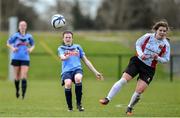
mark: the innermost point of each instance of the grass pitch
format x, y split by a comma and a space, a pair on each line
46, 99
45, 96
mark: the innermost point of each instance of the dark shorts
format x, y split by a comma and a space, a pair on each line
70, 75
136, 66
20, 62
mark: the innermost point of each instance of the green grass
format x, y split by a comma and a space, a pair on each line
3, 56
46, 98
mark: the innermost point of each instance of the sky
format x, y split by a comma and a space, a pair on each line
89, 6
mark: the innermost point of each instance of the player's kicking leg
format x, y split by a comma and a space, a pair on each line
114, 90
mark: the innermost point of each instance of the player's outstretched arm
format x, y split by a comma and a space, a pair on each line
92, 68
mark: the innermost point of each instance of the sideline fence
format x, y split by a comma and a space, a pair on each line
120, 56
172, 65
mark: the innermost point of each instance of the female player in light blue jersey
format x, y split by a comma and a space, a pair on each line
151, 48
21, 44
71, 56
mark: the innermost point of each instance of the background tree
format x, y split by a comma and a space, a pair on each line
112, 14
61, 8
15, 8
81, 21
136, 14
167, 9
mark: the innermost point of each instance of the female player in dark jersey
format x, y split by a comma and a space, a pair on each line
71, 56
151, 48
21, 44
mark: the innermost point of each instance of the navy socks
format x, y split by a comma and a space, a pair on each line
78, 92
16, 82
68, 95
24, 86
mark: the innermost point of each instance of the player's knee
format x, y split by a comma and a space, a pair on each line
68, 83
17, 77
140, 90
24, 75
78, 80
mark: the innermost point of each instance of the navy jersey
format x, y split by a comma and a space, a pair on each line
22, 42
74, 61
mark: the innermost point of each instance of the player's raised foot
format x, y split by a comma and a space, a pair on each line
80, 108
17, 95
70, 109
104, 101
129, 111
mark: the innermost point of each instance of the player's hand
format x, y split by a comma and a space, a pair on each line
144, 57
66, 55
29, 50
99, 76
14, 49
155, 56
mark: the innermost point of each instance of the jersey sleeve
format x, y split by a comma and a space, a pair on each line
11, 39
60, 51
31, 41
139, 44
81, 52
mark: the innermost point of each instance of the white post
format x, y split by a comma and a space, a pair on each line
0, 14
12, 29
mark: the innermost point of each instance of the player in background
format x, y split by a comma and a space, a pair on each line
151, 48
71, 56
22, 44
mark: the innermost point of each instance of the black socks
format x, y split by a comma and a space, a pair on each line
16, 82
24, 86
68, 95
78, 91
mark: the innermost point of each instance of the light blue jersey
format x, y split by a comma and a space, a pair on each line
21, 42
149, 45
74, 61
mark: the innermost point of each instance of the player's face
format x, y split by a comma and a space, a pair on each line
161, 32
67, 39
22, 26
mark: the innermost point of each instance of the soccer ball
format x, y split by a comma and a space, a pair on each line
58, 21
